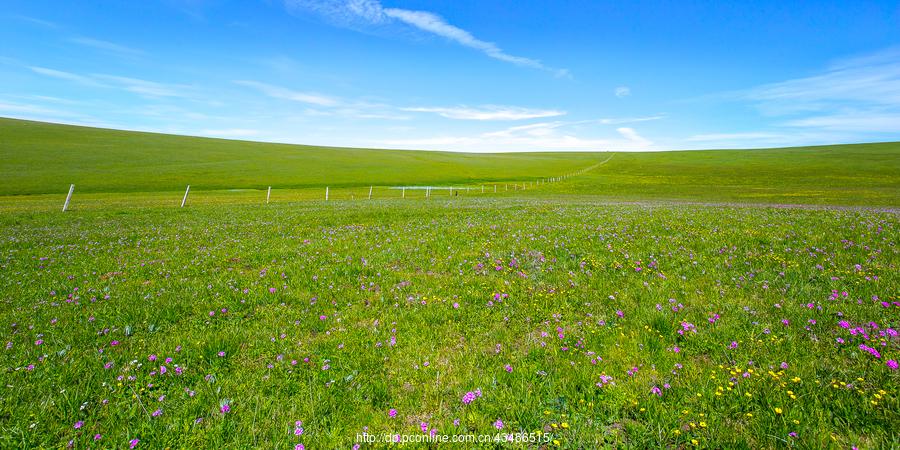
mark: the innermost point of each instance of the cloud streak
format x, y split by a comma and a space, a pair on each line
859, 94
107, 47
536, 136
284, 93
488, 112
362, 14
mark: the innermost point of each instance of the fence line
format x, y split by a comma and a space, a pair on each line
452, 190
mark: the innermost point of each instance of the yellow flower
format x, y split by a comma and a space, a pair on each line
564, 425
777, 410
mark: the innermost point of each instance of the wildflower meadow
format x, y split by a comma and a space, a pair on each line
540, 322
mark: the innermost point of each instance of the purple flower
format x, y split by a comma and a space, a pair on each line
498, 424
225, 408
392, 413
508, 368
78, 424
157, 413
733, 345
133, 443
892, 364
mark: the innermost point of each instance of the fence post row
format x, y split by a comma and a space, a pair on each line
68, 197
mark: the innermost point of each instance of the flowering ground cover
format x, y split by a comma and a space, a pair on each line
305, 324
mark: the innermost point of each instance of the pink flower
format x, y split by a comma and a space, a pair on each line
392, 413
508, 368
133, 443
498, 424
225, 408
892, 364
78, 424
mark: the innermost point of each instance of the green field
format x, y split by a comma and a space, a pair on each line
41, 158
664, 300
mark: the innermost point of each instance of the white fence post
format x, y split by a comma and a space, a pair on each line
268, 194
403, 192
184, 200
326, 193
370, 192
68, 197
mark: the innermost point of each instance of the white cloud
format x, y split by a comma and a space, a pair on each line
106, 46
622, 91
289, 94
633, 136
67, 76
863, 121
138, 86
859, 94
488, 112
145, 88
732, 136
361, 14
533, 137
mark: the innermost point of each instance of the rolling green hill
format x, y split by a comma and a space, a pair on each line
44, 158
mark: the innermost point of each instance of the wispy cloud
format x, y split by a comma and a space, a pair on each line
634, 137
67, 76
488, 112
856, 94
146, 88
732, 136
532, 137
35, 21
622, 91
107, 47
289, 94
360, 14
137, 86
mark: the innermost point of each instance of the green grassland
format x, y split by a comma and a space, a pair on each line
663, 300
41, 158
599, 325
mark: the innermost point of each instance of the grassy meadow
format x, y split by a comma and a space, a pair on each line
42, 158
657, 300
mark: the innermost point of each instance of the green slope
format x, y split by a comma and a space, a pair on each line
40, 157
44, 158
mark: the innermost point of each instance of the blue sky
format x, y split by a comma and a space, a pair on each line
462, 75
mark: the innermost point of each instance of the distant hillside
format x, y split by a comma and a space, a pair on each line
45, 158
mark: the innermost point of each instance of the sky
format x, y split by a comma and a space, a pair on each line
461, 75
